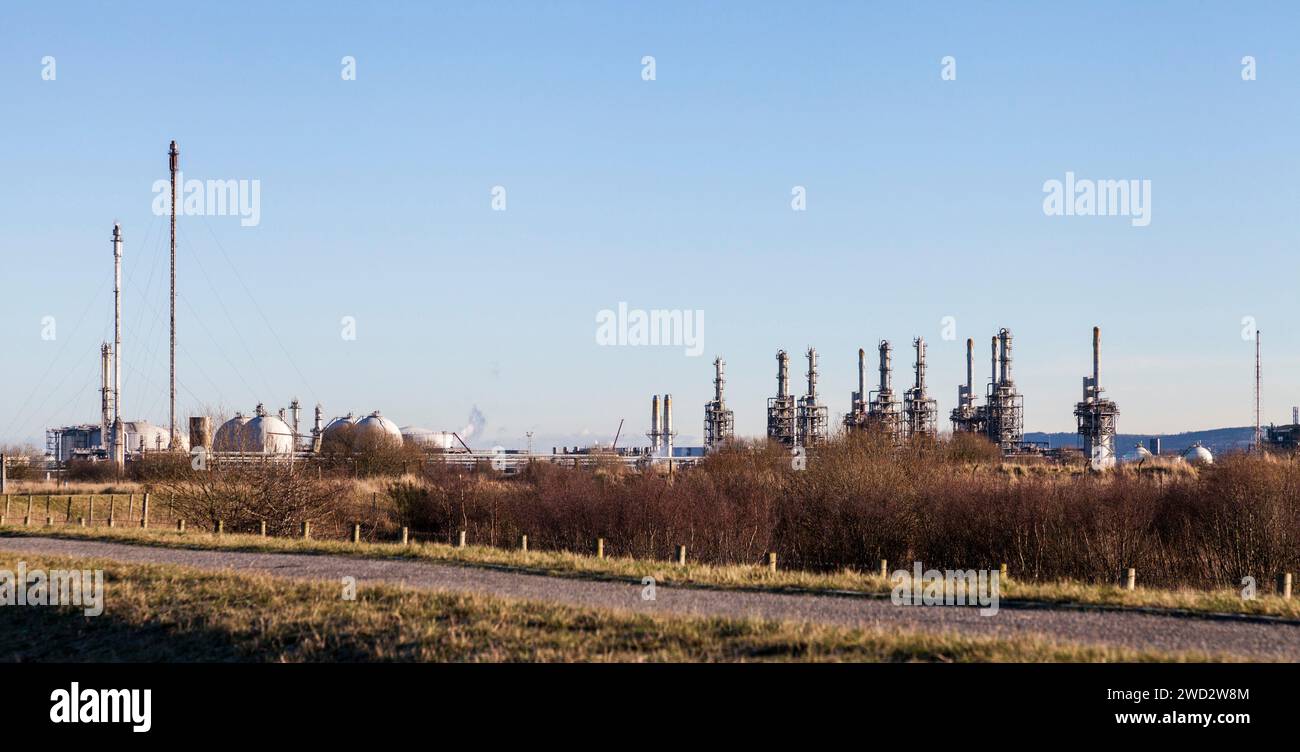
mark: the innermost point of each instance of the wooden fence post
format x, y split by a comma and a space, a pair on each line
406, 536
1131, 583
1002, 573
180, 526
681, 555
262, 531
460, 541
356, 533
221, 527
1284, 586
600, 548
112, 507
771, 561
144, 512
884, 569
306, 530
81, 521
523, 543
90, 513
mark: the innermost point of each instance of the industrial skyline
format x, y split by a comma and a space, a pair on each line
378, 209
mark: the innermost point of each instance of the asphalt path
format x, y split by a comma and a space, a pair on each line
1250, 638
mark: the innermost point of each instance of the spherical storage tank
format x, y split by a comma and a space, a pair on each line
229, 435
267, 434
1198, 455
261, 434
335, 427
375, 427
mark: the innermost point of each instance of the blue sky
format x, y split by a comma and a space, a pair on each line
924, 200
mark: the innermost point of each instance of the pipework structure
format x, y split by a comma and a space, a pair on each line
920, 412
1096, 415
966, 417
812, 416
884, 412
719, 422
1005, 407
780, 409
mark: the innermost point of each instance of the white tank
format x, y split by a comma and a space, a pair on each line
267, 434
230, 436
377, 428
427, 439
335, 426
1198, 455
154, 437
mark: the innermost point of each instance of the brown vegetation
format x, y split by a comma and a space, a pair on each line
953, 504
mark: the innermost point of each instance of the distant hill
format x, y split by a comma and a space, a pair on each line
1217, 440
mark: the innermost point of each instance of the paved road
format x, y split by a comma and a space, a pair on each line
1141, 631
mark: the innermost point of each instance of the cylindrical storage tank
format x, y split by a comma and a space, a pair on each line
200, 431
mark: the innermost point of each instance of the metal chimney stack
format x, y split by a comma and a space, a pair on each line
1005, 336
668, 425
782, 374
105, 395
886, 367
919, 343
1096, 360
994, 379
970, 366
861, 394
718, 379
655, 434
812, 375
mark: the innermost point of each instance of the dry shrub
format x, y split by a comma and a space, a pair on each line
244, 494
945, 504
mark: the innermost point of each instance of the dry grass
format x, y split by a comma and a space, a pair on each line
165, 613
745, 577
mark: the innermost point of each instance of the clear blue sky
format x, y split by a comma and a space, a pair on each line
924, 201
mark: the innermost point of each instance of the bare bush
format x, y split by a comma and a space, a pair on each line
946, 504
244, 494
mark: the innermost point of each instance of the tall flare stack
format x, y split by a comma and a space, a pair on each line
173, 160
117, 441
780, 409
1005, 406
1096, 415
719, 422
812, 416
884, 412
920, 412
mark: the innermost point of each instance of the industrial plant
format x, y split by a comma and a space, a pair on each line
798, 423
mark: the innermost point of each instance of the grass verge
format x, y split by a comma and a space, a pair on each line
567, 564
155, 612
